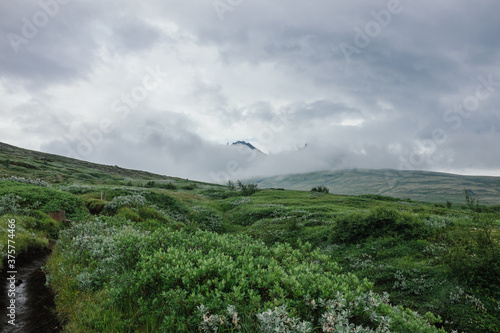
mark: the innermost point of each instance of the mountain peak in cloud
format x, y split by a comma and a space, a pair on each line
249, 145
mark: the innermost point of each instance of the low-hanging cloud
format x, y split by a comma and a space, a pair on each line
419, 87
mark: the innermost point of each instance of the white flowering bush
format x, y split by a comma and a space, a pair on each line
436, 222
134, 200
242, 201
14, 204
77, 188
364, 261
278, 320
31, 181
10, 204
418, 285
207, 219
436, 250
45, 199
460, 296
219, 323
339, 314
101, 249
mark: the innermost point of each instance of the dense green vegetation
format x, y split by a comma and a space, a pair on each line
175, 281
157, 255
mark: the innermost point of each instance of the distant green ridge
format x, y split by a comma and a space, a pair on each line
416, 185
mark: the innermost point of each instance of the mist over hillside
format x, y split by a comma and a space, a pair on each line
416, 185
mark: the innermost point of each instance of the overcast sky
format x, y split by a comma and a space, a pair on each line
163, 85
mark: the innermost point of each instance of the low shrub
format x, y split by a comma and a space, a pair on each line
95, 206
276, 230
168, 186
247, 189
11, 204
36, 182
45, 199
189, 187
380, 197
242, 201
213, 193
380, 222
77, 188
207, 219
31, 234
165, 201
247, 215
129, 214
124, 201
38, 220
320, 189
151, 213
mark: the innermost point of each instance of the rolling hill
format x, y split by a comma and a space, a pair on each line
16, 161
416, 185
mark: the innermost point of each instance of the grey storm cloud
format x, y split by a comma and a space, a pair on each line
43, 44
391, 84
133, 34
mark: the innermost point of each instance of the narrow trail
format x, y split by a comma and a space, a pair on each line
34, 306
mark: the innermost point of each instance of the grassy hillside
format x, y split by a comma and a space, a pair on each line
57, 169
417, 185
159, 254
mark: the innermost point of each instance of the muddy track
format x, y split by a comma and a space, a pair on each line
34, 306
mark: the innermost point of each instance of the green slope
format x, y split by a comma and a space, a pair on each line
416, 185
26, 163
